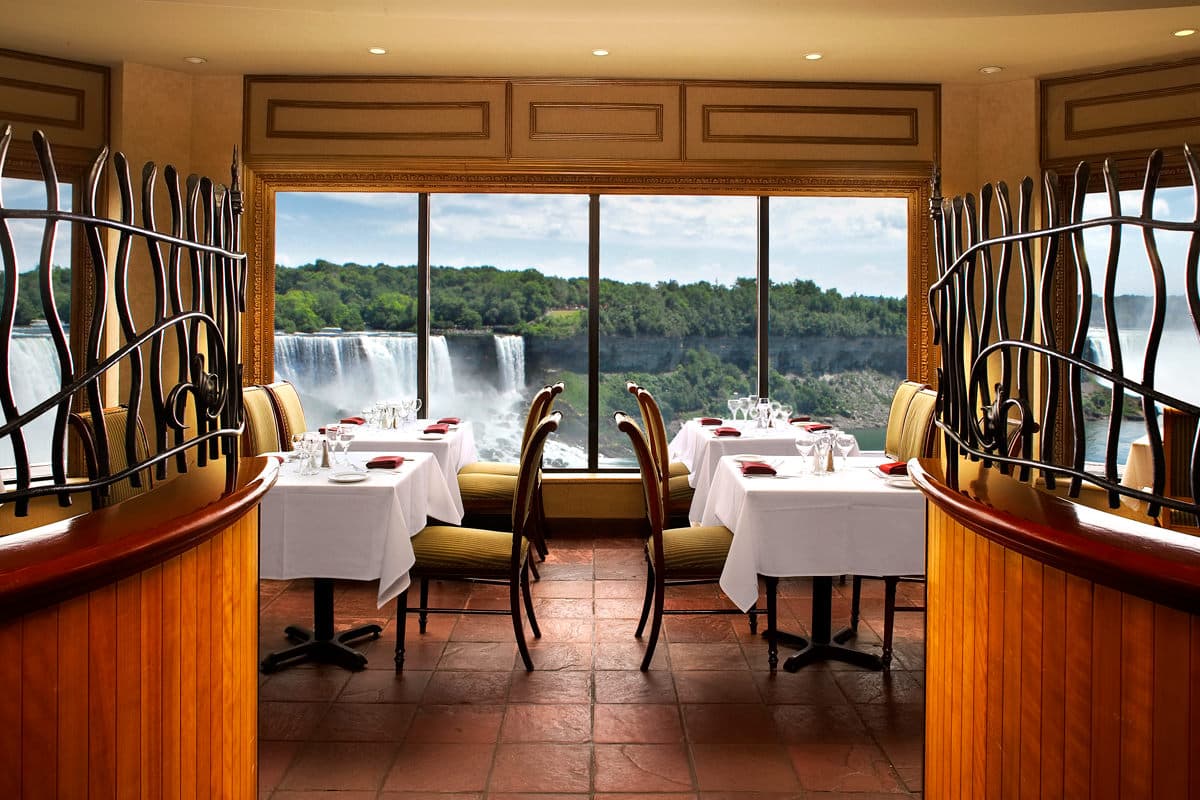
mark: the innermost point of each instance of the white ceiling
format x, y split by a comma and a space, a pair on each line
885, 40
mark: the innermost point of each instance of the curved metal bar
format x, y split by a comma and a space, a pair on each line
8, 313
1157, 321
1083, 277
1111, 330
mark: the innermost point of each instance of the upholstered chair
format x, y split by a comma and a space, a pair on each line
900, 401
288, 411
449, 552
116, 424
675, 469
680, 556
678, 492
261, 434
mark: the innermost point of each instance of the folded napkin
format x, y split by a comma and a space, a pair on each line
385, 462
449, 421
710, 421
757, 468
800, 418
439, 427
726, 432
816, 426
354, 421
894, 468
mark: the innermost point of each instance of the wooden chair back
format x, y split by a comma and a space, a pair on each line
529, 480
895, 424
652, 483
655, 432
916, 434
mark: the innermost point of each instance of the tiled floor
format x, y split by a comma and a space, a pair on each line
709, 721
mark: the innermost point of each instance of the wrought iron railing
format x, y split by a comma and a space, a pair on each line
1012, 369
186, 399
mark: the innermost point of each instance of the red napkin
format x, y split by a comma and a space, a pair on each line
894, 468
710, 421
757, 468
449, 421
439, 427
726, 432
816, 426
385, 462
354, 421
799, 418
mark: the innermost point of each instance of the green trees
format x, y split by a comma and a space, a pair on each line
382, 297
29, 298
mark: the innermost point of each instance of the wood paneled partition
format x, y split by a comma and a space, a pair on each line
1047, 674
144, 683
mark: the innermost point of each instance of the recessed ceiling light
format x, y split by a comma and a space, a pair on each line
813, 56
195, 59
377, 51
1185, 32
600, 52
991, 70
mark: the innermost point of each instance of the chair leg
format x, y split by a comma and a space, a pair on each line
401, 616
533, 569
533, 623
772, 613
855, 598
889, 618
423, 616
514, 610
655, 625
539, 520
648, 600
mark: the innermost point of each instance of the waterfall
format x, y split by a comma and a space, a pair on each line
510, 363
1176, 349
35, 376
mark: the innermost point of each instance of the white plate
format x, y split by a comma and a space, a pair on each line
348, 477
900, 481
431, 436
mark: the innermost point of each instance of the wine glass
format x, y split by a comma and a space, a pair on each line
331, 437
733, 403
844, 443
416, 408
806, 445
345, 437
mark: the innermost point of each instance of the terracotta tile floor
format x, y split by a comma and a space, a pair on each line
708, 722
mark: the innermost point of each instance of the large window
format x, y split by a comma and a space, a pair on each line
838, 322
528, 289
677, 297
1133, 305
34, 369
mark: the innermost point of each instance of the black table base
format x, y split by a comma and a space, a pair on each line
823, 644
322, 644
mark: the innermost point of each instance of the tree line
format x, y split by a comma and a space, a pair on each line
382, 297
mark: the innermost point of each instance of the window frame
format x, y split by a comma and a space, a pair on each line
264, 184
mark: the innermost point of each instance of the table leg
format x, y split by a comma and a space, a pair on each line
322, 643
823, 645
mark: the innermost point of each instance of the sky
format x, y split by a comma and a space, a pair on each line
856, 245
27, 233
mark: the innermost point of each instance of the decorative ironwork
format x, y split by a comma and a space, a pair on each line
1011, 369
199, 280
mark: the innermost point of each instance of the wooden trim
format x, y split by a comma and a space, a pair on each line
76, 122
1132, 557
707, 112
655, 108
47, 565
1071, 133
275, 104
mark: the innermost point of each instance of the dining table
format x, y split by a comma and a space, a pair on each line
347, 522
701, 449
853, 521
454, 449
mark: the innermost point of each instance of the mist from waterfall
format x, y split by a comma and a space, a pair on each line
34, 373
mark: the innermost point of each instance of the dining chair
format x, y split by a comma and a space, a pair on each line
261, 434
119, 433
916, 440
678, 492
488, 488
681, 556
289, 412
675, 468
900, 402
450, 552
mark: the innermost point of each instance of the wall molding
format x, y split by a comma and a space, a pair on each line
909, 115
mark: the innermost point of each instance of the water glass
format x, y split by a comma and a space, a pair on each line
331, 438
763, 412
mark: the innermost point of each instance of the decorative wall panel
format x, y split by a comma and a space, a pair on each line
1126, 112
66, 99
554, 120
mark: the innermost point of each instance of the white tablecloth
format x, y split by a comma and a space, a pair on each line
311, 527
1139, 466
697, 447
850, 522
454, 450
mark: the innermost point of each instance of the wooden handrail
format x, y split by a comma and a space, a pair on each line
47, 565
1159, 565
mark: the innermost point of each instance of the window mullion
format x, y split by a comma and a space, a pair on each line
423, 300
593, 331
762, 318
